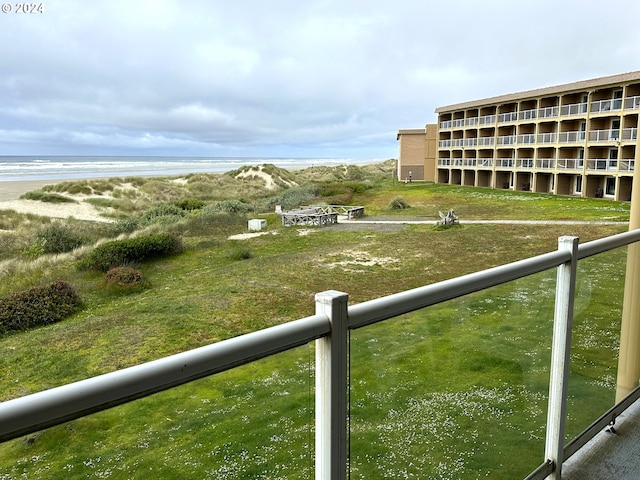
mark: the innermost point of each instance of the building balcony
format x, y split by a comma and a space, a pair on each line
632, 103
548, 112
487, 120
507, 140
485, 163
524, 163
486, 141
602, 164
508, 117
572, 137
550, 137
546, 163
528, 114
608, 105
574, 109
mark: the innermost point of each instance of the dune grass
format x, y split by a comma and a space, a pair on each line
454, 391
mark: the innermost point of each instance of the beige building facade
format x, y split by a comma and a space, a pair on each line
574, 139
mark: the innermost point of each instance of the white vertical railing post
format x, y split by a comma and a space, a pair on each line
331, 388
560, 356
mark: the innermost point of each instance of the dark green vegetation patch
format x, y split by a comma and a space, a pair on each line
38, 306
134, 250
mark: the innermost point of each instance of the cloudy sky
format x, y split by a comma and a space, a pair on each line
283, 78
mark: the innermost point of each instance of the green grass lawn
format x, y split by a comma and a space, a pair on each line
457, 390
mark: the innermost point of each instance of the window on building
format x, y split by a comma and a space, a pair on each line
610, 186
578, 185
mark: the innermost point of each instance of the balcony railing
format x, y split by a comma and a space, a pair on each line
444, 162
607, 105
629, 134
570, 163
611, 135
468, 162
485, 162
472, 121
524, 163
527, 138
627, 165
572, 137
447, 124
574, 109
546, 163
528, 114
550, 137
632, 103
505, 162
507, 140
444, 143
458, 123
487, 120
329, 328
486, 141
548, 112
507, 117
600, 164
470, 142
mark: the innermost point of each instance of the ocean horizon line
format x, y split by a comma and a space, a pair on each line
76, 167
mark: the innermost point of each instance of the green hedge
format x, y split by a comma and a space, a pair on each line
38, 306
119, 253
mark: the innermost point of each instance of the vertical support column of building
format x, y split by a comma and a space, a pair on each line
560, 356
629, 356
331, 388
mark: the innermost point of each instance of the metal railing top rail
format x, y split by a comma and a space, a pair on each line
51, 407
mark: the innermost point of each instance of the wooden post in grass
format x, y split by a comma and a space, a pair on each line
629, 357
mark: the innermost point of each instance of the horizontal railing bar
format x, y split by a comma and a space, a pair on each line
601, 245
542, 472
384, 308
605, 420
45, 409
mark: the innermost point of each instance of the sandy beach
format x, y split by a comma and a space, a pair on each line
10, 200
13, 189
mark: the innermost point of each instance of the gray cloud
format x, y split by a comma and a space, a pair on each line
282, 78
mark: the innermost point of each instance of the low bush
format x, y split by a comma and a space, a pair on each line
190, 204
398, 203
134, 250
38, 306
125, 280
226, 206
165, 213
58, 238
240, 253
47, 197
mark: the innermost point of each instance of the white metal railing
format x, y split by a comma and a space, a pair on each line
546, 163
610, 135
471, 121
632, 103
571, 163
549, 137
507, 117
507, 140
573, 109
527, 138
444, 143
627, 165
572, 137
468, 162
505, 162
485, 162
486, 141
528, 114
470, 142
457, 142
456, 162
629, 134
329, 329
487, 120
602, 164
607, 105
446, 124
458, 123
524, 163
444, 162
548, 112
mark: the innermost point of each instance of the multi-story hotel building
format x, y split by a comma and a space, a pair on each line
574, 139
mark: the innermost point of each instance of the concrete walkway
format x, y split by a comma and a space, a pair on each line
417, 221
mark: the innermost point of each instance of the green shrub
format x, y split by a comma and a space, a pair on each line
294, 197
38, 306
398, 203
123, 252
125, 280
190, 204
58, 238
164, 213
47, 197
226, 206
240, 253
124, 225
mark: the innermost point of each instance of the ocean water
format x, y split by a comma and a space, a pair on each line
63, 167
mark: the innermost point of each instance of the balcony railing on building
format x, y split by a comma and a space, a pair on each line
572, 137
548, 112
570, 163
546, 163
607, 105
